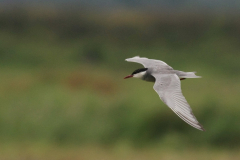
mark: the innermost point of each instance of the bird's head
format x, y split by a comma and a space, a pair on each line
139, 73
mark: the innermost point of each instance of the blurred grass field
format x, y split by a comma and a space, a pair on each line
63, 95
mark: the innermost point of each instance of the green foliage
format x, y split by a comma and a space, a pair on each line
62, 79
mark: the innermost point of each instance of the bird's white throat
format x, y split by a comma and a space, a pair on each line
139, 75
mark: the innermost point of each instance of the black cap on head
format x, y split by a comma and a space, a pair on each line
139, 70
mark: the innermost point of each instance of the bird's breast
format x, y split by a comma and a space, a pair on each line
149, 78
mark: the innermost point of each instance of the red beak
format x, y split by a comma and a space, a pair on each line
128, 76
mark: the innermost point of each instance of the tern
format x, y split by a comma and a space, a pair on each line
167, 85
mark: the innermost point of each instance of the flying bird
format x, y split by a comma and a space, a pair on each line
167, 85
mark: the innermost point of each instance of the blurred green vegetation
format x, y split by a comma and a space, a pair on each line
62, 78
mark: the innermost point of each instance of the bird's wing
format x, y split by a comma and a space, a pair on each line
147, 63
168, 87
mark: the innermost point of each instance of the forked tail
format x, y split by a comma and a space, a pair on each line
182, 74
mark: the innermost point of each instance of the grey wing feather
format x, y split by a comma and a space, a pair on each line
168, 87
147, 63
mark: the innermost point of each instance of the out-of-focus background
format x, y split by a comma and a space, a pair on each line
62, 91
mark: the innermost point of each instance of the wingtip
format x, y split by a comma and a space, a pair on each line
201, 127
131, 58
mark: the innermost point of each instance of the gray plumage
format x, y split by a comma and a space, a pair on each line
168, 86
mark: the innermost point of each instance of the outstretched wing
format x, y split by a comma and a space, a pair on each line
168, 87
149, 63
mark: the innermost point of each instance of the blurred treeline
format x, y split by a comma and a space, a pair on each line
62, 77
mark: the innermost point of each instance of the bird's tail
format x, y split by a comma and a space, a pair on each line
182, 74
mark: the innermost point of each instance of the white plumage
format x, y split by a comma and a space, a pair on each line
168, 86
